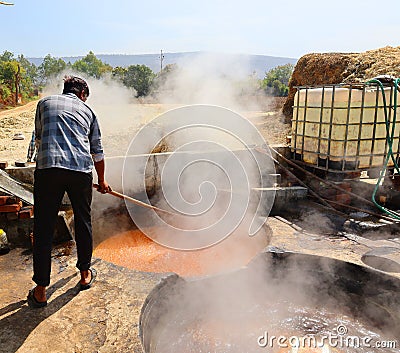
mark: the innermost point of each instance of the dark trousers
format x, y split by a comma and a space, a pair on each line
49, 188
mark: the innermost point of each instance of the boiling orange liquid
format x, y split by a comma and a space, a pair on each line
135, 250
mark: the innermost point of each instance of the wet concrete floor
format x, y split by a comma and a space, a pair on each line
105, 318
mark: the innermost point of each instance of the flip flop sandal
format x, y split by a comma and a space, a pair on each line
33, 302
89, 285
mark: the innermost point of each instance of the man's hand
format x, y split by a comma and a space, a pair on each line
103, 187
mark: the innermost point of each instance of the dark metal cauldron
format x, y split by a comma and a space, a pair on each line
367, 295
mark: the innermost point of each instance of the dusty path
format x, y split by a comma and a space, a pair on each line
18, 110
13, 121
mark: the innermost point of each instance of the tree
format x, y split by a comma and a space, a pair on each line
8, 69
5, 93
30, 80
277, 79
17, 77
7, 56
50, 67
92, 66
118, 73
139, 77
10, 75
162, 77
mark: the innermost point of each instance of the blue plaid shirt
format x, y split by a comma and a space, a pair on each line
67, 134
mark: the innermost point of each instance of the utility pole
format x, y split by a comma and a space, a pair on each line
161, 59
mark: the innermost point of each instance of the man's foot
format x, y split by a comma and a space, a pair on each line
37, 297
87, 278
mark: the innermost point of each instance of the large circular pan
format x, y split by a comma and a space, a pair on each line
216, 177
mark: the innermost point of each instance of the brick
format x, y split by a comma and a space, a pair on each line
26, 212
4, 200
15, 207
12, 200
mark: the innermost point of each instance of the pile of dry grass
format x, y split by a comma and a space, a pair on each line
333, 68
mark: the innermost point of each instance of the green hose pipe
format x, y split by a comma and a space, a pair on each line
389, 138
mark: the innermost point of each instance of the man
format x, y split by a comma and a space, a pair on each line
69, 145
31, 156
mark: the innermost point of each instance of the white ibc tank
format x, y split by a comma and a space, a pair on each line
342, 128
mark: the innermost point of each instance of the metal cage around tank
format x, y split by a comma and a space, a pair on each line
343, 128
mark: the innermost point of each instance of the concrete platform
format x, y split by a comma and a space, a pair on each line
102, 319
106, 317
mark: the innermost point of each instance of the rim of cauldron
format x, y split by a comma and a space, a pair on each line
367, 284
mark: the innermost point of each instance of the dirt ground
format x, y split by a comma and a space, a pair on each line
13, 121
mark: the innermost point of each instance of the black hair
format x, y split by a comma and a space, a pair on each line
75, 85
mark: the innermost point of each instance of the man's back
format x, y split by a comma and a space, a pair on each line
67, 132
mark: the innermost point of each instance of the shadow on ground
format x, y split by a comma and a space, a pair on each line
27, 319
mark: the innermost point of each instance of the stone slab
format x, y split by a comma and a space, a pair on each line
102, 319
13, 187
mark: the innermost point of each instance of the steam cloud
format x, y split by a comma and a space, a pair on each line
208, 79
207, 82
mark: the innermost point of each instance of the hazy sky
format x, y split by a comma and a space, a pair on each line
286, 28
